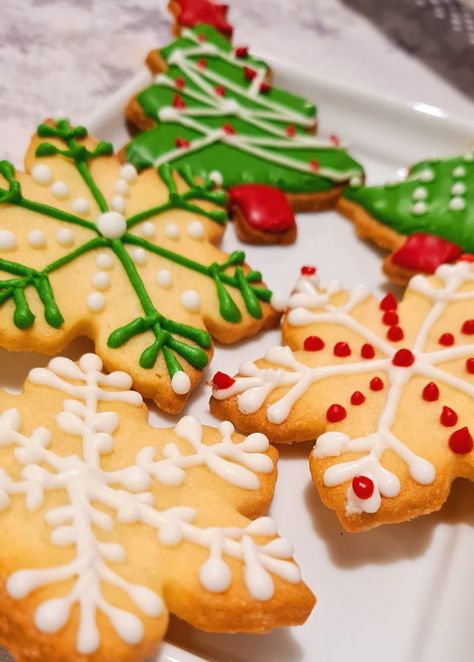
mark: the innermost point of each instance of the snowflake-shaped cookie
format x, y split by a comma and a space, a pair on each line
130, 522
90, 247
387, 388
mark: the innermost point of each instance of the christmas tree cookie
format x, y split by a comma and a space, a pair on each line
213, 107
90, 247
425, 220
386, 389
130, 523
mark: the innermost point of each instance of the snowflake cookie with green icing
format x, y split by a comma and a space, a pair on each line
90, 247
129, 523
213, 107
386, 388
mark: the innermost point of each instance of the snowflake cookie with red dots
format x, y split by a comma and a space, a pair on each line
386, 389
130, 523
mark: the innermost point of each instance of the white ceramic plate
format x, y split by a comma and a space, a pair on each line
398, 593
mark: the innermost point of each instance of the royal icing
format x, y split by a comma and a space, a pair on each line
194, 12
37, 238
60, 189
80, 206
265, 208
7, 240
64, 237
425, 252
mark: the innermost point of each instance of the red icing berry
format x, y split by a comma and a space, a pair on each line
389, 302
249, 73
241, 51
336, 413
448, 417
313, 344
290, 131
179, 82
182, 142
376, 384
178, 102
201, 37
341, 349
461, 441
430, 392
468, 327
201, 63
334, 139
390, 318
219, 90
403, 358
470, 365
228, 128
367, 351
395, 333
314, 165
363, 487
193, 12
308, 270
265, 87
264, 207
446, 339
222, 380
425, 252
357, 398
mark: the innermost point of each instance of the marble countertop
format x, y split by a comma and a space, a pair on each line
66, 57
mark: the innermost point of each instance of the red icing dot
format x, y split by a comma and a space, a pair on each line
336, 413
461, 441
241, 51
376, 384
468, 327
179, 82
308, 270
367, 351
403, 358
201, 63
357, 398
222, 380
219, 90
395, 333
264, 207
390, 318
430, 392
265, 87
228, 128
313, 344
363, 487
389, 302
470, 365
425, 252
314, 165
448, 417
193, 12
334, 139
249, 73
290, 131
446, 339
341, 349
182, 142
178, 102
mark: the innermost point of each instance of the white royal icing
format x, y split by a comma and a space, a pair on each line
112, 224
163, 278
172, 231
195, 230
104, 261
7, 240
118, 204
64, 237
148, 229
180, 383
101, 280
121, 186
60, 189
128, 172
95, 301
191, 301
139, 256
37, 238
80, 205
42, 174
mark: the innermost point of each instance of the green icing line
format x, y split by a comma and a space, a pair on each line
393, 204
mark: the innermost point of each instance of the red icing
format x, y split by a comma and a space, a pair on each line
314, 165
308, 270
376, 384
446, 339
201, 63
389, 302
467, 257
390, 318
265, 87
403, 358
178, 102
290, 131
241, 51
182, 142
461, 441
470, 365
228, 128
313, 344
179, 82
395, 333
341, 349
334, 139
468, 327
265, 208
222, 380
249, 73
425, 252
363, 487
448, 417
357, 398
336, 413
193, 12
367, 351
219, 90
430, 392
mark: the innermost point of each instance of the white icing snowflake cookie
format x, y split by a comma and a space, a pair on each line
109, 524
387, 389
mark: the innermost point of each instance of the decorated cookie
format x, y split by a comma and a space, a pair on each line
130, 523
88, 247
425, 220
386, 388
189, 13
213, 107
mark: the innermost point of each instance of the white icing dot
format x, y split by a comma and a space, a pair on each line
118, 203
216, 177
111, 224
469, 156
64, 237
128, 172
80, 205
37, 238
419, 208
180, 383
121, 186
139, 255
95, 301
426, 175
195, 230
457, 204
147, 229
60, 189
420, 193
163, 278
458, 189
104, 261
355, 181
101, 280
7, 240
191, 301
279, 301
172, 231
42, 174
459, 171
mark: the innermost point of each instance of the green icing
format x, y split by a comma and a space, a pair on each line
234, 163
394, 205
168, 333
